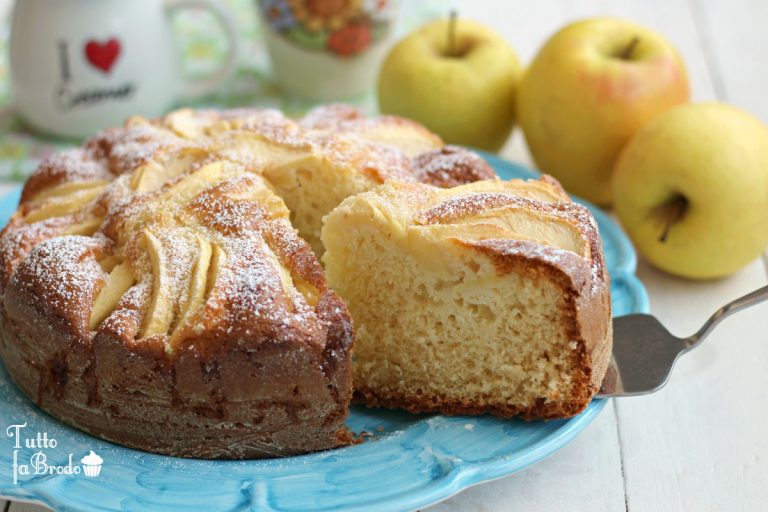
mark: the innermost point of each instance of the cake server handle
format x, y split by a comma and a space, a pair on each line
645, 352
748, 300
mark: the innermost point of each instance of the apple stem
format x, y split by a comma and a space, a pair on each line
627, 53
452, 33
674, 211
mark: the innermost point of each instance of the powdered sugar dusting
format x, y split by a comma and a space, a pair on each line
59, 274
457, 207
127, 148
451, 166
18, 239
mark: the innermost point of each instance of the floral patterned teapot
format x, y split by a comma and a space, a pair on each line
327, 49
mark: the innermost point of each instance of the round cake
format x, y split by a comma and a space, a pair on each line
160, 286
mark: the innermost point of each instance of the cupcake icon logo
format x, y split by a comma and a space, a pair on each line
92, 464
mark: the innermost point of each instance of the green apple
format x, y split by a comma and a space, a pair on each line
589, 89
457, 78
691, 189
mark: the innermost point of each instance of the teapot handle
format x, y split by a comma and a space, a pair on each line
201, 86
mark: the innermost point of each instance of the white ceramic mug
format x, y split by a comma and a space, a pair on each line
78, 66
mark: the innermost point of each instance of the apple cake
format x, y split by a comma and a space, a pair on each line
491, 297
157, 288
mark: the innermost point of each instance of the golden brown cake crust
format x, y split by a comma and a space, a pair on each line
451, 166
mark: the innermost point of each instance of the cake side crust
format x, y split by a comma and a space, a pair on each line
237, 403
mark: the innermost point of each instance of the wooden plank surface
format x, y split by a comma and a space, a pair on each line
585, 475
699, 444
734, 36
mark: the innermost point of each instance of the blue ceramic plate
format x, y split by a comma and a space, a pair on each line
410, 462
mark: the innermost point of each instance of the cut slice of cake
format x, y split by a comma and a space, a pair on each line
491, 297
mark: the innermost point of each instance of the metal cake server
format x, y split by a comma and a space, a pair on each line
644, 352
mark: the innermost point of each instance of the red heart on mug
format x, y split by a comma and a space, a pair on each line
103, 55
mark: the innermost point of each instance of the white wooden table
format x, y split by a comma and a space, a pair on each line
700, 443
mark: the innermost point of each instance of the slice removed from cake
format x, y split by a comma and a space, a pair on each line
490, 297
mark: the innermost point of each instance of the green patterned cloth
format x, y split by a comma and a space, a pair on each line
203, 46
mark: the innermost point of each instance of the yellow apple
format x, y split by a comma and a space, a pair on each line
589, 89
691, 189
459, 80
